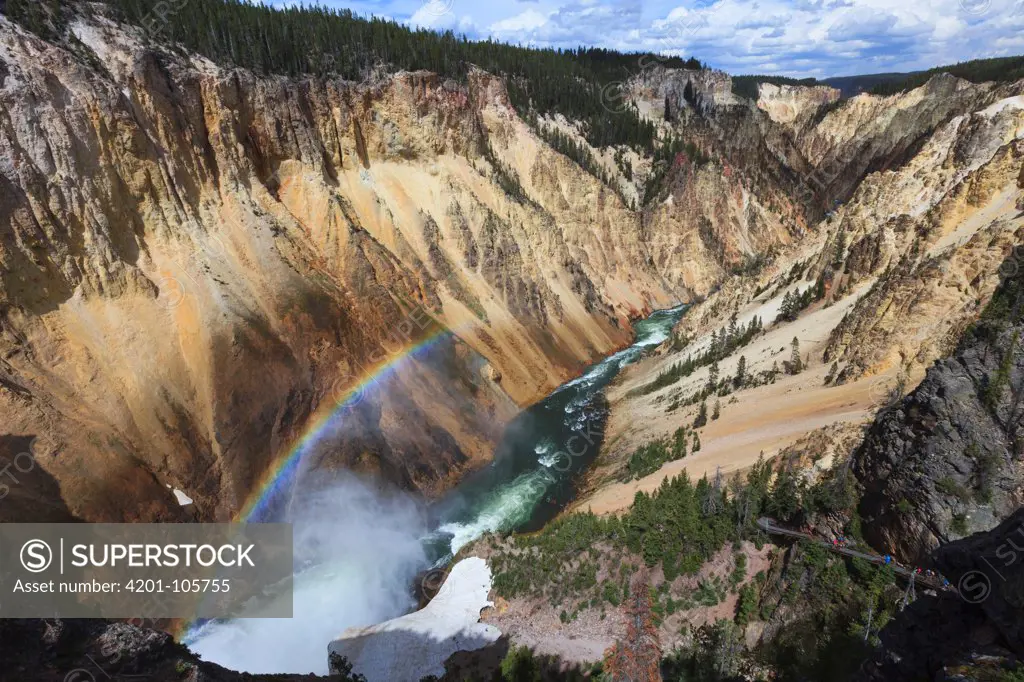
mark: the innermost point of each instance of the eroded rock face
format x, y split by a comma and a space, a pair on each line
199, 263
898, 267
794, 105
871, 133
934, 233
989, 570
707, 88
946, 461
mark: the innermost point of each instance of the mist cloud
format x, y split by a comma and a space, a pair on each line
357, 551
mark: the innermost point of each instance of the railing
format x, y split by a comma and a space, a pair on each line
936, 582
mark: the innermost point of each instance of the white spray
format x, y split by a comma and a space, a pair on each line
362, 549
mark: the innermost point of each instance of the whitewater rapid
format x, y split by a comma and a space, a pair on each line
358, 550
546, 460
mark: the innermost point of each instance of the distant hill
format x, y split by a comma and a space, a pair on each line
746, 86
854, 85
1000, 69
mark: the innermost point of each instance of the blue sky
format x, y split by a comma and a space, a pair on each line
789, 37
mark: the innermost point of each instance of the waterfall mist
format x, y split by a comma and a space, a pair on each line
357, 550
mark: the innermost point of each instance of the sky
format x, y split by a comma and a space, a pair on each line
798, 38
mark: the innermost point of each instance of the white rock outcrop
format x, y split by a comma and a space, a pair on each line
416, 645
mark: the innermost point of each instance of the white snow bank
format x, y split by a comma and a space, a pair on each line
416, 645
183, 499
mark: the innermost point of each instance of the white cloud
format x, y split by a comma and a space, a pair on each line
791, 37
530, 20
435, 14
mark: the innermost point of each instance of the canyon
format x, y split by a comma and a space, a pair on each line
206, 238
318, 229
202, 265
901, 268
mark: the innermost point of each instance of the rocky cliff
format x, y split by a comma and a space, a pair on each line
899, 264
945, 462
199, 262
795, 105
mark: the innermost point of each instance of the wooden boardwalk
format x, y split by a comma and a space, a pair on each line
935, 582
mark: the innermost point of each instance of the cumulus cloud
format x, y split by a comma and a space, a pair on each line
530, 20
436, 14
790, 37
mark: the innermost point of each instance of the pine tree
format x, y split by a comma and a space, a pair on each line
741, 372
840, 252
341, 667
696, 443
796, 363
717, 412
519, 665
785, 499
702, 415
787, 311
746, 605
819, 288
733, 327
679, 443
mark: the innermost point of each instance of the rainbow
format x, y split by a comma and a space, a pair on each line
282, 472
278, 475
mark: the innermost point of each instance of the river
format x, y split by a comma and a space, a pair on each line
538, 462
358, 550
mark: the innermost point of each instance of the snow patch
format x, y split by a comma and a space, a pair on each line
181, 497
414, 646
